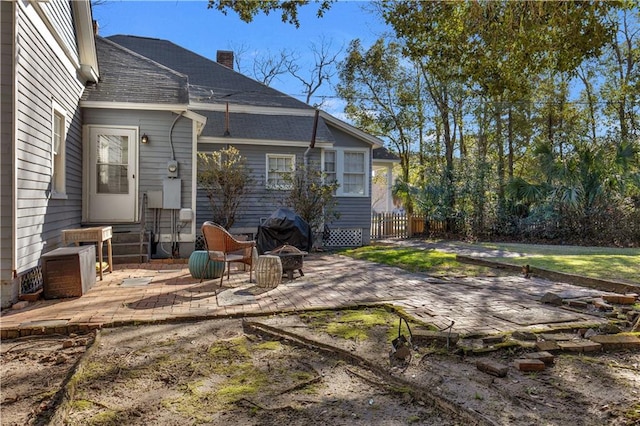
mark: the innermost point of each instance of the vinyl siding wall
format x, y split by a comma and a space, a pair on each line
260, 202
355, 212
153, 158
6, 143
44, 76
58, 12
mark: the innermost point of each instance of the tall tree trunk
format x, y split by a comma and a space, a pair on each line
510, 141
448, 173
500, 164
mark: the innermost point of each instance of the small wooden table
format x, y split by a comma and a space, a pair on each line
97, 235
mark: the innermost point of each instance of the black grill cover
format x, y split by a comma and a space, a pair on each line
284, 226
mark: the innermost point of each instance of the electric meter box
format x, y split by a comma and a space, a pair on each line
171, 193
172, 169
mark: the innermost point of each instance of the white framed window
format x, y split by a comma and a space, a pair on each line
354, 173
330, 168
349, 168
58, 148
279, 169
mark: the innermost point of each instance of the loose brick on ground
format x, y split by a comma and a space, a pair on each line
582, 346
529, 364
524, 335
489, 340
543, 356
492, 367
547, 345
620, 299
557, 336
616, 341
426, 337
578, 304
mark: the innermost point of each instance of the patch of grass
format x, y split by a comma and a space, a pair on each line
596, 262
233, 349
548, 249
272, 345
105, 418
352, 324
93, 371
400, 390
199, 403
246, 382
633, 413
81, 405
621, 268
194, 404
619, 264
432, 261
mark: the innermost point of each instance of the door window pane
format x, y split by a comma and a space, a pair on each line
112, 164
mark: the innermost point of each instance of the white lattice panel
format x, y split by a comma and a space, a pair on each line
351, 237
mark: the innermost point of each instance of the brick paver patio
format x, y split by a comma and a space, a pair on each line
158, 292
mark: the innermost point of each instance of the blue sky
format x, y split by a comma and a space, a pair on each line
191, 25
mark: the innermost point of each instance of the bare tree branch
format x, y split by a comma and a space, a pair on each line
268, 66
323, 69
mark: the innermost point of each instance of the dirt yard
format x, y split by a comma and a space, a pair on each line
325, 368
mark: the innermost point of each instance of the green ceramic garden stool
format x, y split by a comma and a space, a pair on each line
197, 262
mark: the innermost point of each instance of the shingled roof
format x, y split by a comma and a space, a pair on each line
128, 77
385, 155
209, 81
272, 127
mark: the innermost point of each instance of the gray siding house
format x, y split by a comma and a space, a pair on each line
117, 144
48, 56
267, 127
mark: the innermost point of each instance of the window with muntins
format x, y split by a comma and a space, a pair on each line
347, 167
58, 172
330, 167
354, 173
279, 169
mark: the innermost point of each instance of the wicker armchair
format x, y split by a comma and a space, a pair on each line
222, 247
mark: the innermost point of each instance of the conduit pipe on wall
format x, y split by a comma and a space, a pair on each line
173, 153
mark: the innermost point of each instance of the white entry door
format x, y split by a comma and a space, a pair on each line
112, 175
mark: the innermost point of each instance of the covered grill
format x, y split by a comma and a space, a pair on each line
284, 226
287, 235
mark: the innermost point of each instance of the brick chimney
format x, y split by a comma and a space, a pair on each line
225, 57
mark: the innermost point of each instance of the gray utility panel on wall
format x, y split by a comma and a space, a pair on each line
171, 193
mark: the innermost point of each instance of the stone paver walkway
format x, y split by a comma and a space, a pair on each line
166, 292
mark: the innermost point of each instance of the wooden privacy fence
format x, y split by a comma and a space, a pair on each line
402, 225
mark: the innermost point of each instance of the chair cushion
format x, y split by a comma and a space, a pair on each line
235, 257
